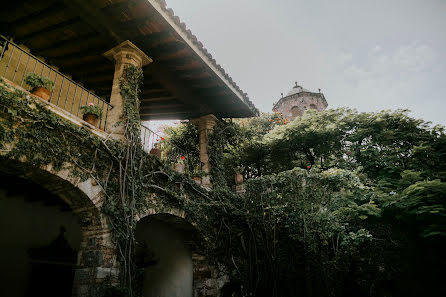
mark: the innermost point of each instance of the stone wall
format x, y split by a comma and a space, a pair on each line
295, 105
208, 279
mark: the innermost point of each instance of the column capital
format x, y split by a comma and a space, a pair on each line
124, 54
128, 53
206, 122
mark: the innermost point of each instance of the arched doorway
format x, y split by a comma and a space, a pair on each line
40, 240
164, 254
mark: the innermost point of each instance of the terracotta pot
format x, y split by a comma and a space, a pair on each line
156, 152
91, 118
42, 92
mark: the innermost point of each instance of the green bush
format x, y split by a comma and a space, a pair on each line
35, 81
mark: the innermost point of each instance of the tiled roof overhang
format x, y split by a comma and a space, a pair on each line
184, 81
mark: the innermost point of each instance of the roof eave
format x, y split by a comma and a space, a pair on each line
201, 52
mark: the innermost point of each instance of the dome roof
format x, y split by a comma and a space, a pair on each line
296, 89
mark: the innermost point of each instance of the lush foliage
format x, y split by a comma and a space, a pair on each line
35, 81
182, 144
337, 203
91, 109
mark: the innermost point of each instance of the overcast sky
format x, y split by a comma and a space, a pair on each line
368, 55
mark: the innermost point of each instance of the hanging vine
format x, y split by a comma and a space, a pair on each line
129, 197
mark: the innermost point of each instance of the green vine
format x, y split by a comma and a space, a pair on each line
33, 134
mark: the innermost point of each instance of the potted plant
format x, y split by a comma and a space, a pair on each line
179, 165
156, 151
41, 86
91, 113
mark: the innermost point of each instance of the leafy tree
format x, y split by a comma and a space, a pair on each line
337, 203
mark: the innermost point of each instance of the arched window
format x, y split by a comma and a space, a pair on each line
296, 112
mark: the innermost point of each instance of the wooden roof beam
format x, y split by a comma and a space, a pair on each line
96, 19
61, 44
153, 91
27, 37
160, 114
88, 72
145, 100
177, 87
154, 108
46, 12
155, 117
95, 51
19, 6
152, 38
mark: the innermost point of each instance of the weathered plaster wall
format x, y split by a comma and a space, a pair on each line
25, 225
172, 275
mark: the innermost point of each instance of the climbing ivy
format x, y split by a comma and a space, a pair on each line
33, 134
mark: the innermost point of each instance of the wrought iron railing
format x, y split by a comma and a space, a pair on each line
16, 63
156, 144
152, 140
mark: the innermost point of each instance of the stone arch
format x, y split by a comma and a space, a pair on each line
96, 258
313, 106
76, 193
199, 277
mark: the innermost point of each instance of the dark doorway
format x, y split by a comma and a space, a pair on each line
40, 240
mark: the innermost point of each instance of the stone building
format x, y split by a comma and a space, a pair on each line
298, 100
54, 239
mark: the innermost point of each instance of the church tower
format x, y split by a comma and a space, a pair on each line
298, 100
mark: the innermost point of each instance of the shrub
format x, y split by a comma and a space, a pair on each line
35, 81
91, 108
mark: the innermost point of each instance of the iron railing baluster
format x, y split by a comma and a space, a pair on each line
9, 61
60, 91
74, 100
24, 71
5, 45
66, 98
17, 68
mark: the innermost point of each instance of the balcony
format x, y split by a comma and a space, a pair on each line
16, 62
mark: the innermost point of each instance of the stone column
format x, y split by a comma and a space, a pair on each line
239, 188
124, 54
97, 259
205, 125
